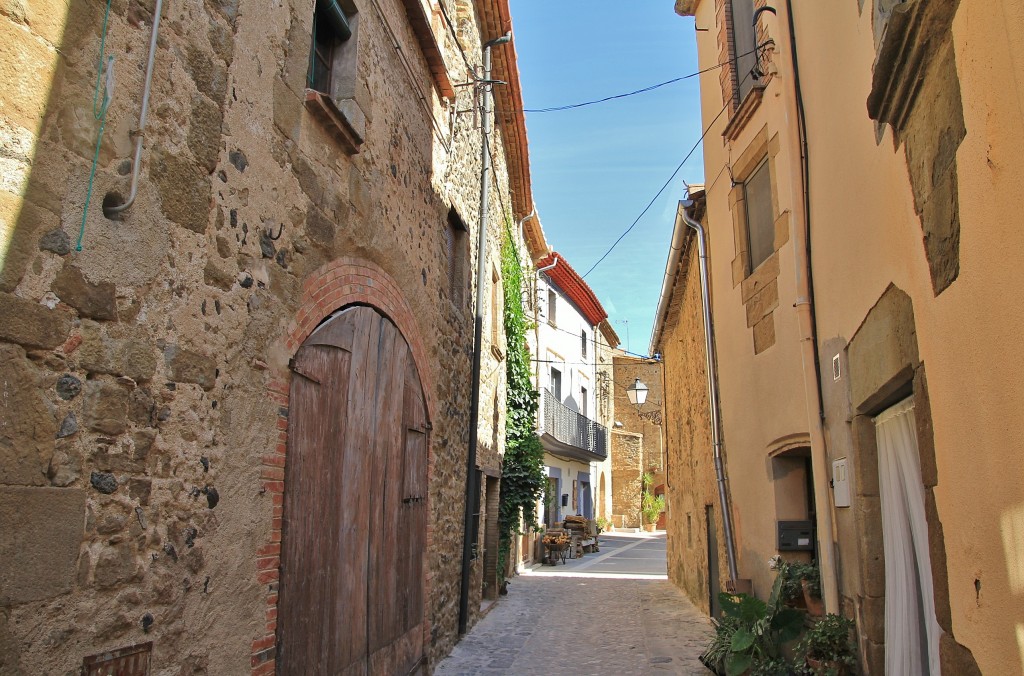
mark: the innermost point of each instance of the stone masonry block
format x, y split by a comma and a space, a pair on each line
91, 300
43, 528
28, 426
184, 190
186, 366
31, 324
883, 352
764, 333
24, 61
868, 516
760, 278
865, 462
762, 303
132, 356
106, 407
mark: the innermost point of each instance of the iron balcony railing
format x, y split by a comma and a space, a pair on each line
574, 429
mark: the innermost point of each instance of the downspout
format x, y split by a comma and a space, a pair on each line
712, 365
472, 485
809, 346
140, 132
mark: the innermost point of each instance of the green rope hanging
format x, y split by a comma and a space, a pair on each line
99, 113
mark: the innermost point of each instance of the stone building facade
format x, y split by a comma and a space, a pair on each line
859, 214
147, 375
696, 557
637, 444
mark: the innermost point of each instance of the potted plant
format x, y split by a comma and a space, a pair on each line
652, 506
827, 648
751, 633
810, 584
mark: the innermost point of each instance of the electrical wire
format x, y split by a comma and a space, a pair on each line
666, 184
658, 194
644, 90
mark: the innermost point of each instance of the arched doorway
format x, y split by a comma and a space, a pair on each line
602, 509
355, 512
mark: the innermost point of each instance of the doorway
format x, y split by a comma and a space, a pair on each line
911, 628
355, 509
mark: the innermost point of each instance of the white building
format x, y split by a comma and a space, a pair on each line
572, 351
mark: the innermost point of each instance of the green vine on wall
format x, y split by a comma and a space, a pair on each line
522, 472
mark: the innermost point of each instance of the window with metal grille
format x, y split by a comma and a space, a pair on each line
583, 343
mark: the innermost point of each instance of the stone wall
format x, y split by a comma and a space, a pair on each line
691, 473
144, 403
645, 422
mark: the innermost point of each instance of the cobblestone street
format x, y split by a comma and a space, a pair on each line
612, 612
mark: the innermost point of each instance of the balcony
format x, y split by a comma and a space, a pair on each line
566, 433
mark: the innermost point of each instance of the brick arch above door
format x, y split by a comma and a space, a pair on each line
340, 283
351, 281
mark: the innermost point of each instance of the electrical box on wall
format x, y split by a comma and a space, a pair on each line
796, 536
840, 483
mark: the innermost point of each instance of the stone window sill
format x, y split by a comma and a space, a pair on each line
748, 106
343, 119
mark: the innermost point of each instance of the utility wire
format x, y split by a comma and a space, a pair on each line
662, 189
572, 106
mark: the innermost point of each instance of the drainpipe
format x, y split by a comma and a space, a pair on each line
712, 362
137, 162
472, 485
809, 344
547, 267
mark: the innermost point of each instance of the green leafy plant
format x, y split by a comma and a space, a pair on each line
829, 646
603, 524
523, 480
772, 667
652, 506
793, 574
752, 632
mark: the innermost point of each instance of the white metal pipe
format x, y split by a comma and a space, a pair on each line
712, 373
140, 132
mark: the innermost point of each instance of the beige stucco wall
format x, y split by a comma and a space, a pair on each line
175, 321
866, 235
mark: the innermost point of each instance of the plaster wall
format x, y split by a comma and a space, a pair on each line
966, 333
148, 373
867, 235
762, 393
561, 347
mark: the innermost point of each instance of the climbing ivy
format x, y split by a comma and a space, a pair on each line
522, 473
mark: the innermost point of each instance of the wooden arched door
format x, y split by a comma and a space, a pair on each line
355, 510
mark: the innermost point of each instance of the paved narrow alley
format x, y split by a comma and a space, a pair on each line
612, 612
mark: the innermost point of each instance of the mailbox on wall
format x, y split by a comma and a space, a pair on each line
796, 536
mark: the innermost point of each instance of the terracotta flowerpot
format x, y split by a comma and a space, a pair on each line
815, 606
650, 527
822, 667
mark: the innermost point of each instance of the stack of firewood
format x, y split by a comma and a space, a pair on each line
577, 524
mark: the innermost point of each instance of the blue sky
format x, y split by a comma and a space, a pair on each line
594, 169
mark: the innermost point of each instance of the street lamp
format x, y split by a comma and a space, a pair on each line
637, 393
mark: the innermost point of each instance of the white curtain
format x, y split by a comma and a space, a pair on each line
911, 629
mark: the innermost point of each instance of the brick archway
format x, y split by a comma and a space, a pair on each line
340, 283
